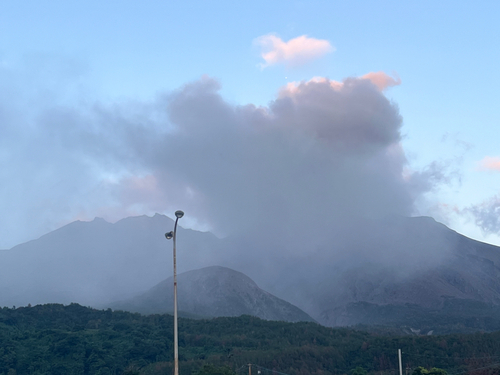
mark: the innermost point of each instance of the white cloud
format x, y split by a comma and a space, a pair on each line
295, 52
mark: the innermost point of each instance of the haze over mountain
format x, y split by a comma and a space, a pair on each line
392, 262
211, 292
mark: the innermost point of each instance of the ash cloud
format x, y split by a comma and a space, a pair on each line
320, 155
315, 154
308, 189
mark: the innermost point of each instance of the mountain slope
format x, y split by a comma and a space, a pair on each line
96, 262
357, 272
212, 292
466, 276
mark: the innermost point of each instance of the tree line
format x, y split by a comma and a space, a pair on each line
56, 339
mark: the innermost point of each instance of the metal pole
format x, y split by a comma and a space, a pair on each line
400, 364
173, 235
176, 338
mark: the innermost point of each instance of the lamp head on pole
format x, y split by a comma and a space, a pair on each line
169, 235
179, 214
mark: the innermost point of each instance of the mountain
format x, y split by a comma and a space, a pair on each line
392, 271
460, 277
98, 262
212, 292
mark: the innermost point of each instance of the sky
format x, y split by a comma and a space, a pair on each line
249, 115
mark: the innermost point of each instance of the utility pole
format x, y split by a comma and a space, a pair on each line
249, 369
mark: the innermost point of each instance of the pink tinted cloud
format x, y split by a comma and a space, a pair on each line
295, 52
382, 80
490, 163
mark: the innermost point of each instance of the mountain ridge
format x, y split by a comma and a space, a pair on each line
391, 262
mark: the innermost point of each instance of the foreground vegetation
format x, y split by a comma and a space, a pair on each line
56, 339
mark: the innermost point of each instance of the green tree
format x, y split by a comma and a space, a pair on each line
358, 371
210, 369
420, 371
433, 371
437, 371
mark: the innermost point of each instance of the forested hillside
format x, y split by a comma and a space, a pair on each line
56, 339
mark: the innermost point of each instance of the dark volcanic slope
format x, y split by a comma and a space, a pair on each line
212, 292
466, 276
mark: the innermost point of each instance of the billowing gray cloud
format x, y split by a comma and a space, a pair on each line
321, 152
315, 152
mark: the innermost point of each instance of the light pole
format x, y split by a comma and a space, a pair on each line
169, 235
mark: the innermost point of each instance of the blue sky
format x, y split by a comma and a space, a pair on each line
71, 54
